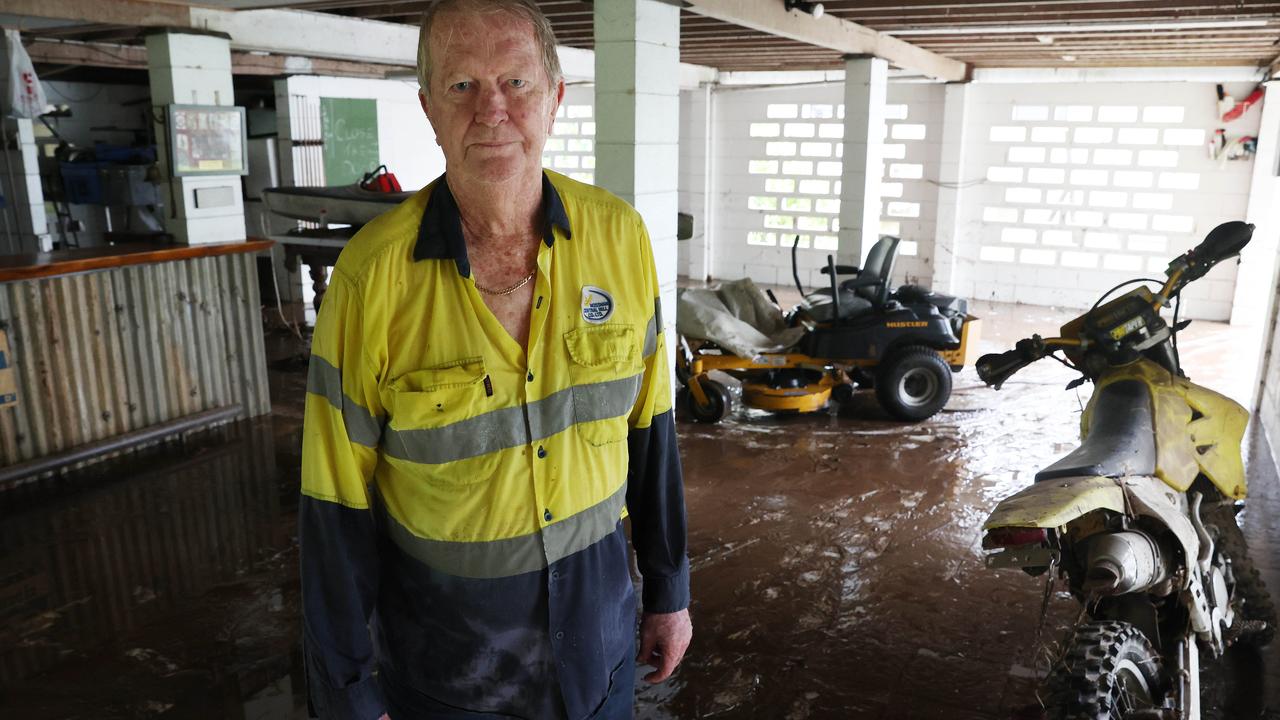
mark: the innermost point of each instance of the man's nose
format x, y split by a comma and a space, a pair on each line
492, 107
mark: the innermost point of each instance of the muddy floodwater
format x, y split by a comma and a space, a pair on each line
836, 562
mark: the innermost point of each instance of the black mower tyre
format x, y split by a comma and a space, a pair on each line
719, 402
1109, 670
913, 383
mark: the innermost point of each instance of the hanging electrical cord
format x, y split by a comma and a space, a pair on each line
1134, 281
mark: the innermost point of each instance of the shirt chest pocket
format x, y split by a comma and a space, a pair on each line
436, 424
606, 370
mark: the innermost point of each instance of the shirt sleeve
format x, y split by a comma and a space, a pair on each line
655, 482
339, 559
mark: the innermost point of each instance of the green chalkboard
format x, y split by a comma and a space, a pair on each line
350, 132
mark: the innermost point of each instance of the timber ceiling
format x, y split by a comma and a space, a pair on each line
1050, 33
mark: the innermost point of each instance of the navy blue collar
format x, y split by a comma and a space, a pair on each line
440, 233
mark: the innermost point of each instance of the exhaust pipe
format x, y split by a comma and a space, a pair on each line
1125, 562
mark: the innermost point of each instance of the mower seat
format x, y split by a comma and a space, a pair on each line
822, 309
872, 281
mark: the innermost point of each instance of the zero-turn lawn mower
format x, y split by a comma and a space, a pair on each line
854, 334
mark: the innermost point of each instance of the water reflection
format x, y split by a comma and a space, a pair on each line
157, 586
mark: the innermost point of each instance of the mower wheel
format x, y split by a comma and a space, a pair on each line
913, 383
719, 402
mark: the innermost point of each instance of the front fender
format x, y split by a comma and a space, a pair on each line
1054, 503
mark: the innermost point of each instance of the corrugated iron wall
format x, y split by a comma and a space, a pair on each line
109, 351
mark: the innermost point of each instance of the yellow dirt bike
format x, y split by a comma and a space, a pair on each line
1140, 520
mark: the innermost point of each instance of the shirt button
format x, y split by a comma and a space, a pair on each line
555, 575
546, 515
530, 377
542, 452
559, 635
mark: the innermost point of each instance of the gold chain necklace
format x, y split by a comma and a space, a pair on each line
513, 288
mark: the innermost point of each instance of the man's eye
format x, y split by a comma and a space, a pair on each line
517, 82
461, 86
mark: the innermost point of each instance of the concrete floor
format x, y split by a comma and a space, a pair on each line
836, 563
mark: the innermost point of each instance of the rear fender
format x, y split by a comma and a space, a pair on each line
1060, 502
1055, 503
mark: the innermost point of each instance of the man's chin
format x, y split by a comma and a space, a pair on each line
500, 172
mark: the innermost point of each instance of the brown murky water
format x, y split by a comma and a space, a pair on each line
836, 564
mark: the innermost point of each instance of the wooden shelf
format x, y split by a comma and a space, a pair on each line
66, 262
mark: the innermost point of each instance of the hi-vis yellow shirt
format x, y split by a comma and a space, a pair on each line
464, 493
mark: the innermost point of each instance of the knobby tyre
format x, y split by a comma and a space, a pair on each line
1109, 670
1257, 603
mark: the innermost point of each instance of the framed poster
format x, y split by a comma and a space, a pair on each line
207, 140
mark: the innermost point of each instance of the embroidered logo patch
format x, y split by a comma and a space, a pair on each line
597, 305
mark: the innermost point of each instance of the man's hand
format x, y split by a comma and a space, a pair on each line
663, 639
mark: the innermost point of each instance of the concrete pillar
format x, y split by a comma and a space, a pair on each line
24, 227
1253, 297
637, 46
194, 68
697, 179
865, 82
948, 236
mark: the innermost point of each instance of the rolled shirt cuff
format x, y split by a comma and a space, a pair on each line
361, 700
667, 594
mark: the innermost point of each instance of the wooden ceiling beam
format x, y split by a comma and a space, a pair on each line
136, 13
830, 32
133, 57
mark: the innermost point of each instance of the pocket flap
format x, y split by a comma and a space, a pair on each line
456, 373
602, 345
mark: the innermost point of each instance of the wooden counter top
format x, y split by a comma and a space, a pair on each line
66, 262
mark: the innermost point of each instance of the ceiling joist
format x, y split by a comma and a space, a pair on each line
830, 32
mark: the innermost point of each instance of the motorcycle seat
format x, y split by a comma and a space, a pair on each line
1121, 438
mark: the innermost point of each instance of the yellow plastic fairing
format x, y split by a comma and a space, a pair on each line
1197, 430
1054, 503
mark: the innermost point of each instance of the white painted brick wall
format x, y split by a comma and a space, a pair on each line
734, 149
1039, 146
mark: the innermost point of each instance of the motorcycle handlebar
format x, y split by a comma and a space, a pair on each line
995, 368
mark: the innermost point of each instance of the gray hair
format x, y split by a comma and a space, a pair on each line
524, 9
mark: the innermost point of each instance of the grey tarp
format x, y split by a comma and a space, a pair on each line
737, 316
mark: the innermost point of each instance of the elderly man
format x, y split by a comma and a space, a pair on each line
488, 398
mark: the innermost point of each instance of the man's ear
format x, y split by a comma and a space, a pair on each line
426, 110
557, 96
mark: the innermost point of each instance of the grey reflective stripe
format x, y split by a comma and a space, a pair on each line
475, 436
512, 556
326, 380
505, 428
584, 529
651, 333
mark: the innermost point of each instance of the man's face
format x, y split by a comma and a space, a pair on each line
490, 101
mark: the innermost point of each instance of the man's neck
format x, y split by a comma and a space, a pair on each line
499, 212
